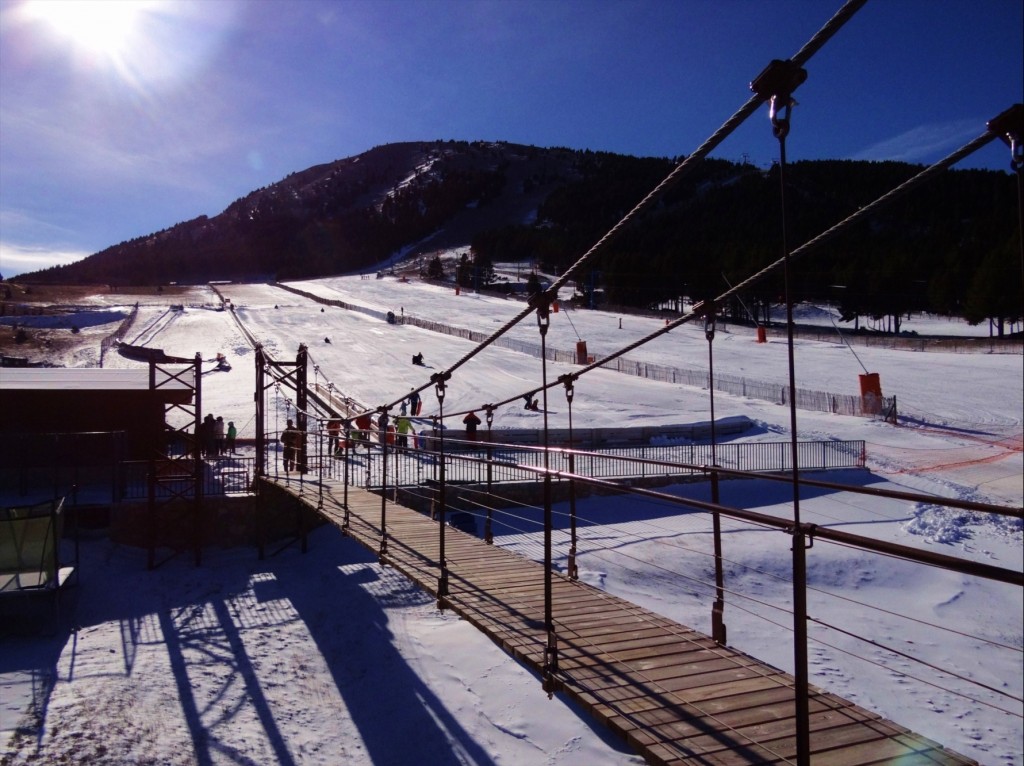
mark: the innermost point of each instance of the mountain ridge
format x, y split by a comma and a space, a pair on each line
951, 247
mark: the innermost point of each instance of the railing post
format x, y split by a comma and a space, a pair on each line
718, 629
488, 532
802, 541
382, 429
551, 647
442, 581
347, 428
199, 465
572, 569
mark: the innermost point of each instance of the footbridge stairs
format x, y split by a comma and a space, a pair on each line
674, 694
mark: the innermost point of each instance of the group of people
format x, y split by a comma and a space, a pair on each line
214, 439
397, 433
387, 432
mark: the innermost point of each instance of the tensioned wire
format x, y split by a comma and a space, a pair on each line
699, 310
751, 105
830, 28
804, 249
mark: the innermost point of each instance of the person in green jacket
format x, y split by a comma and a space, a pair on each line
403, 426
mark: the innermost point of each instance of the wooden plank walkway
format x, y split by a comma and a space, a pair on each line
672, 693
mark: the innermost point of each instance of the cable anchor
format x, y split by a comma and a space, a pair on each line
439, 379
709, 327
776, 85
543, 306
805, 531
1009, 126
568, 380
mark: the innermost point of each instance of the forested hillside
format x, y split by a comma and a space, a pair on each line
950, 247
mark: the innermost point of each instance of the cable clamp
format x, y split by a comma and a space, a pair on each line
568, 380
709, 327
1009, 126
804, 530
776, 85
439, 379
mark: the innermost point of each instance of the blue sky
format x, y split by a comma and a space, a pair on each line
114, 124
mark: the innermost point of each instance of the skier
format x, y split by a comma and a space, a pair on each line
418, 359
414, 402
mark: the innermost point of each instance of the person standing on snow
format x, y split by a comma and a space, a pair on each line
291, 438
472, 421
403, 426
218, 436
333, 435
414, 402
207, 435
363, 425
232, 435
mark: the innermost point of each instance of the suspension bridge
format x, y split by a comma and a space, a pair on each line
675, 694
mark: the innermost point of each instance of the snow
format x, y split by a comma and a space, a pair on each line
327, 657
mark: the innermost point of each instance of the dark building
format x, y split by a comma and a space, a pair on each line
38, 401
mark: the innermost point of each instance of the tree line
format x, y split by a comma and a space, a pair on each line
951, 247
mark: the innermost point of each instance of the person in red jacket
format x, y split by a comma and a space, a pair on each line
472, 421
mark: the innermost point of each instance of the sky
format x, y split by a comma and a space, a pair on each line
120, 117
321, 658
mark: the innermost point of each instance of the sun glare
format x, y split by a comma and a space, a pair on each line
97, 26
144, 44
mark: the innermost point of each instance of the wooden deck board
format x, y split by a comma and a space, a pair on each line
673, 693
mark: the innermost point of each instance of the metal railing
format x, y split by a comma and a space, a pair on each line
506, 493
221, 476
468, 462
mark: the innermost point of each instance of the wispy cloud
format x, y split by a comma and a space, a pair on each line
20, 259
923, 143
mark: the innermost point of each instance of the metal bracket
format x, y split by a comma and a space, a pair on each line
1009, 126
805, 530
439, 379
568, 380
776, 85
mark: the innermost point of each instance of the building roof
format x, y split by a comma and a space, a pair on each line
83, 379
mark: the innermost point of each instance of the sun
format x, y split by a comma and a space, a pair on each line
99, 27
